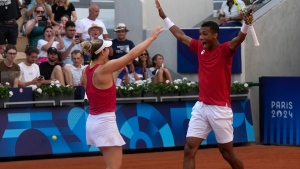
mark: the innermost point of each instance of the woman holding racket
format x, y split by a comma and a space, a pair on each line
101, 127
213, 110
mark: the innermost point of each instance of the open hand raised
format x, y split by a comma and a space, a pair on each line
160, 10
155, 32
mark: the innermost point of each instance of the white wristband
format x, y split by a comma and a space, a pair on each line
168, 22
245, 28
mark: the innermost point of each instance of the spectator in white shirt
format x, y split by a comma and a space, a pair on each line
75, 68
230, 15
29, 71
49, 41
84, 24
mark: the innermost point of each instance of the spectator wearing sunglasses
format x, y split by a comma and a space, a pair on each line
229, 14
145, 63
31, 12
33, 30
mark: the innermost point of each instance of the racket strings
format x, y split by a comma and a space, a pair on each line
246, 11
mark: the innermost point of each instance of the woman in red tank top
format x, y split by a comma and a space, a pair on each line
97, 78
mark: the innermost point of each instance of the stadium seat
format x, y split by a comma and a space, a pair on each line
21, 56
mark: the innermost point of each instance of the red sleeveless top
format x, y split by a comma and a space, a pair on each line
100, 100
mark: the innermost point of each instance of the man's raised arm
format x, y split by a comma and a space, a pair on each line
177, 32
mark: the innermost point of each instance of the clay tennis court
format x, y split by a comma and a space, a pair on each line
253, 156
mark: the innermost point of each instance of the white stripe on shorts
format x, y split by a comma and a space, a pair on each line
102, 130
211, 117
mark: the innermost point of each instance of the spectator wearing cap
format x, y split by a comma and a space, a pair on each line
121, 45
50, 69
84, 24
9, 14
9, 70
94, 32
49, 41
30, 72
71, 42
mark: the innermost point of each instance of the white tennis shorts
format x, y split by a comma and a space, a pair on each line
211, 117
102, 130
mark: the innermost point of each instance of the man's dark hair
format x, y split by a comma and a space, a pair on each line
31, 49
47, 28
8, 47
214, 27
70, 24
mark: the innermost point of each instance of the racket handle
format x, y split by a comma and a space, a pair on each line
255, 40
85, 97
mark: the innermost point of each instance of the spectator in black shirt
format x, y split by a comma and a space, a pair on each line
52, 70
61, 8
9, 14
121, 46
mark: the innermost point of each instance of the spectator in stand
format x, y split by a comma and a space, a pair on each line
75, 68
94, 31
121, 45
84, 24
71, 42
61, 8
51, 70
229, 14
9, 71
130, 74
145, 64
9, 14
49, 41
158, 73
31, 13
33, 30
30, 72
63, 20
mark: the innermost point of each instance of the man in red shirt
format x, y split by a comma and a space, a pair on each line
213, 110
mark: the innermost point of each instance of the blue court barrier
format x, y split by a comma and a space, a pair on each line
28, 131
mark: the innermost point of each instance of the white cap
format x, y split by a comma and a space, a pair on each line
106, 43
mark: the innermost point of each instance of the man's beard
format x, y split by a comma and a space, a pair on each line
52, 60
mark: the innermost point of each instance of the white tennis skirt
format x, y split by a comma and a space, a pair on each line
102, 130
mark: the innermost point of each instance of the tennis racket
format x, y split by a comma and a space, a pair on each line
247, 12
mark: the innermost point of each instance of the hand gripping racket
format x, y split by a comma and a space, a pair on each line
247, 12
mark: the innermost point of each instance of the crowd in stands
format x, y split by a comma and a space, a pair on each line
54, 52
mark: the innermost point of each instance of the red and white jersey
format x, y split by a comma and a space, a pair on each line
214, 73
